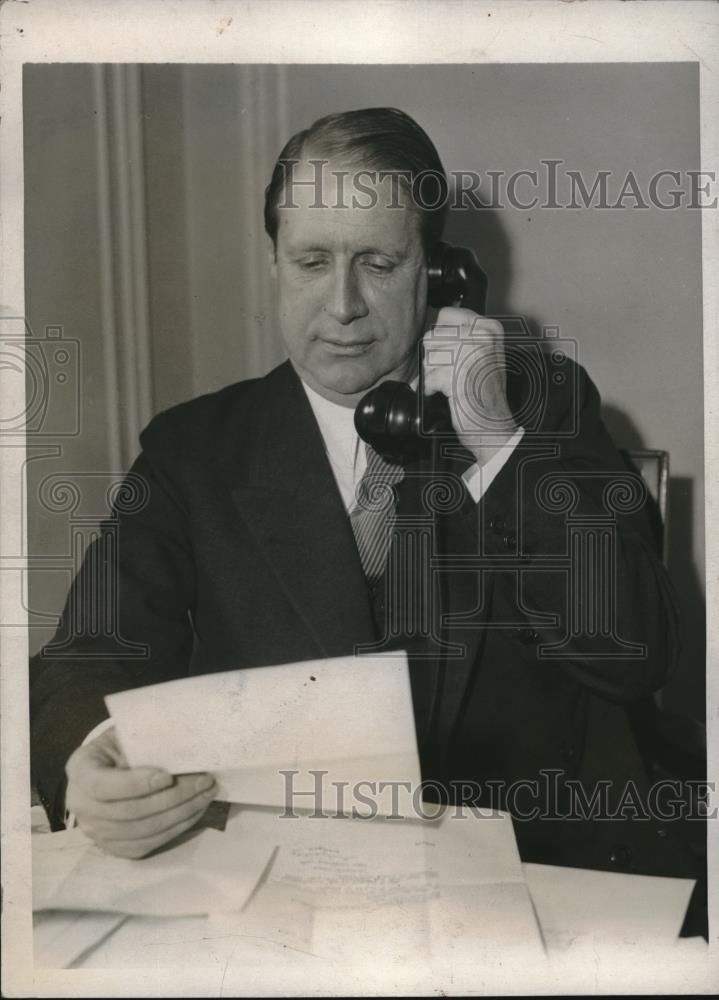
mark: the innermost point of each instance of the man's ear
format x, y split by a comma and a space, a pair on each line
272, 257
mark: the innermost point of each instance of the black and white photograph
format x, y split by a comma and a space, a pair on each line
358, 364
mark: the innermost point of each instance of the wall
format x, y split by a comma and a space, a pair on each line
625, 284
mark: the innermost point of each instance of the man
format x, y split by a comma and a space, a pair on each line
244, 552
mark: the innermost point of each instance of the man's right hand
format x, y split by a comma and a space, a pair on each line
131, 811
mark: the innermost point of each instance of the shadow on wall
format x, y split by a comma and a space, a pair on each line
482, 230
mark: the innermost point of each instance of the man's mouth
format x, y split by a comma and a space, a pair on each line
347, 347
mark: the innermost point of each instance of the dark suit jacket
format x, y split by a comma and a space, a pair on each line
242, 555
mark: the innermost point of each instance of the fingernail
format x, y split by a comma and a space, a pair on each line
160, 780
204, 783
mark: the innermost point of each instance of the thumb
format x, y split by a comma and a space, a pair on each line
103, 775
106, 750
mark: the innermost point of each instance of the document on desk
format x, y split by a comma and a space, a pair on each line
316, 733
446, 889
340, 862
203, 872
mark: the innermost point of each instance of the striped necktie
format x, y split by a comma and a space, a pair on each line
374, 514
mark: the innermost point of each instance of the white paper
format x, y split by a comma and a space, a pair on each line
471, 846
331, 857
445, 890
575, 905
59, 939
337, 862
207, 871
491, 922
336, 722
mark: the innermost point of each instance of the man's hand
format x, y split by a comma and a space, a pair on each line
130, 811
464, 359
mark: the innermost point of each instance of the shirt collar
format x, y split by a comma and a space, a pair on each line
337, 422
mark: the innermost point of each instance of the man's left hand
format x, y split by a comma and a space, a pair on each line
464, 359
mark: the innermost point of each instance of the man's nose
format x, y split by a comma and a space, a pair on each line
346, 302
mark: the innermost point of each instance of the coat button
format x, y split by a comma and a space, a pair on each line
567, 751
497, 524
527, 636
510, 541
620, 855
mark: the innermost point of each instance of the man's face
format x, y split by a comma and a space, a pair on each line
352, 286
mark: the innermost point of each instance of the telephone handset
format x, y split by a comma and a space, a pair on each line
391, 417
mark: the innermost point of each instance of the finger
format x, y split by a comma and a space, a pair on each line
438, 365
136, 849
100, 752
109, 783
455, 317
438, 380
187, 787
149, 826
109, 743
183, 788
104, 749
454, 324
449, 360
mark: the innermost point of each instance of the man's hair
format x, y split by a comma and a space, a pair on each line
381, 139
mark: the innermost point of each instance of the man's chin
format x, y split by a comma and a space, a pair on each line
346, 380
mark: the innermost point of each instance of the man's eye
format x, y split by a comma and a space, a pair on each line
379, 265
311, 263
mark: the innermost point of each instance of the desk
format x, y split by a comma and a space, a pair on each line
601, 931
211, 957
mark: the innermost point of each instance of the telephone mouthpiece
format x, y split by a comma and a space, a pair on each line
387, 418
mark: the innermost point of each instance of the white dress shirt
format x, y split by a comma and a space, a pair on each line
348, 457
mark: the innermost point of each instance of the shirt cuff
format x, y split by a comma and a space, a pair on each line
478, 479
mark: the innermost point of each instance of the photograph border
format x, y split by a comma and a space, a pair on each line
325, 31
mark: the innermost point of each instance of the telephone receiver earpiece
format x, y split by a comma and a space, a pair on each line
454, 278
391, 417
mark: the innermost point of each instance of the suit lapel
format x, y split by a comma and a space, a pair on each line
285, 492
